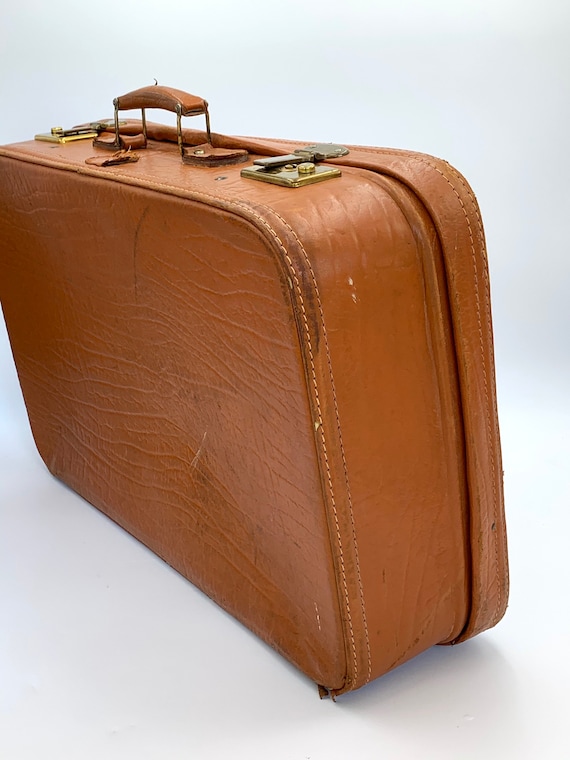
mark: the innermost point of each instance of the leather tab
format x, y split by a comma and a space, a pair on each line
126, 142
207, 155
120, 157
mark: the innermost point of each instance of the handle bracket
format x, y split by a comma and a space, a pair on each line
167, 98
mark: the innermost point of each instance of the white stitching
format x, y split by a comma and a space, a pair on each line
420, 158
496, 614
321, 425
481, 345
341, 446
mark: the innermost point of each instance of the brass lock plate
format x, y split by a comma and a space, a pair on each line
82, 132
60, 135
291, 174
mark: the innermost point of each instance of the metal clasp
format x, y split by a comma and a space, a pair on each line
298, 168
81, 132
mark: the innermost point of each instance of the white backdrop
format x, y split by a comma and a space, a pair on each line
107, 653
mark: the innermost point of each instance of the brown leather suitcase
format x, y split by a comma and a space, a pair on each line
285, 390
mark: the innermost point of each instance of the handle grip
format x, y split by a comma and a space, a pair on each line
166, 98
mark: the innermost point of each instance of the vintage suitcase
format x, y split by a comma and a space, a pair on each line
285, 390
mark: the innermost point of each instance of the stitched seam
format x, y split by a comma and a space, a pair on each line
343, 455
485, 378
139, 180
498, 606
320, 423
497, 613
422, 159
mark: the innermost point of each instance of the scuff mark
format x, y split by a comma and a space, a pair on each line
135, 251
194, 462
353, 294
318, 616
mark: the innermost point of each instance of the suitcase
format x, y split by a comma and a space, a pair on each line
272, 363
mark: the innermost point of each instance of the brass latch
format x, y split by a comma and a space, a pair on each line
81, 132
299, 168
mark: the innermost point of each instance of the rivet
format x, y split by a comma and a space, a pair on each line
306, 168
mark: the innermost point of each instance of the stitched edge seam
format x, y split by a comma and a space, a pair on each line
343, 455
485, 378
422, 159
320, 417
471, 196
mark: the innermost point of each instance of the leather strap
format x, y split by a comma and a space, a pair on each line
126, 142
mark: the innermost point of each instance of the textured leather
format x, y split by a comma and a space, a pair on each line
287, 394
166, 98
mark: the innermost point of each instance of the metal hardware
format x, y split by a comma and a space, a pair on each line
60, 135
322, 151
275, 161
181, 148
80, 132
298, 168
291, 175
307, 167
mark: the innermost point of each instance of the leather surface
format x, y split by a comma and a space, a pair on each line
271, 388
166, 98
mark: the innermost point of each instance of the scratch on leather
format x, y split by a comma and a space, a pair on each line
194, 462
135, 249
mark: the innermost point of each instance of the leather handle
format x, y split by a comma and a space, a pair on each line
166, 98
